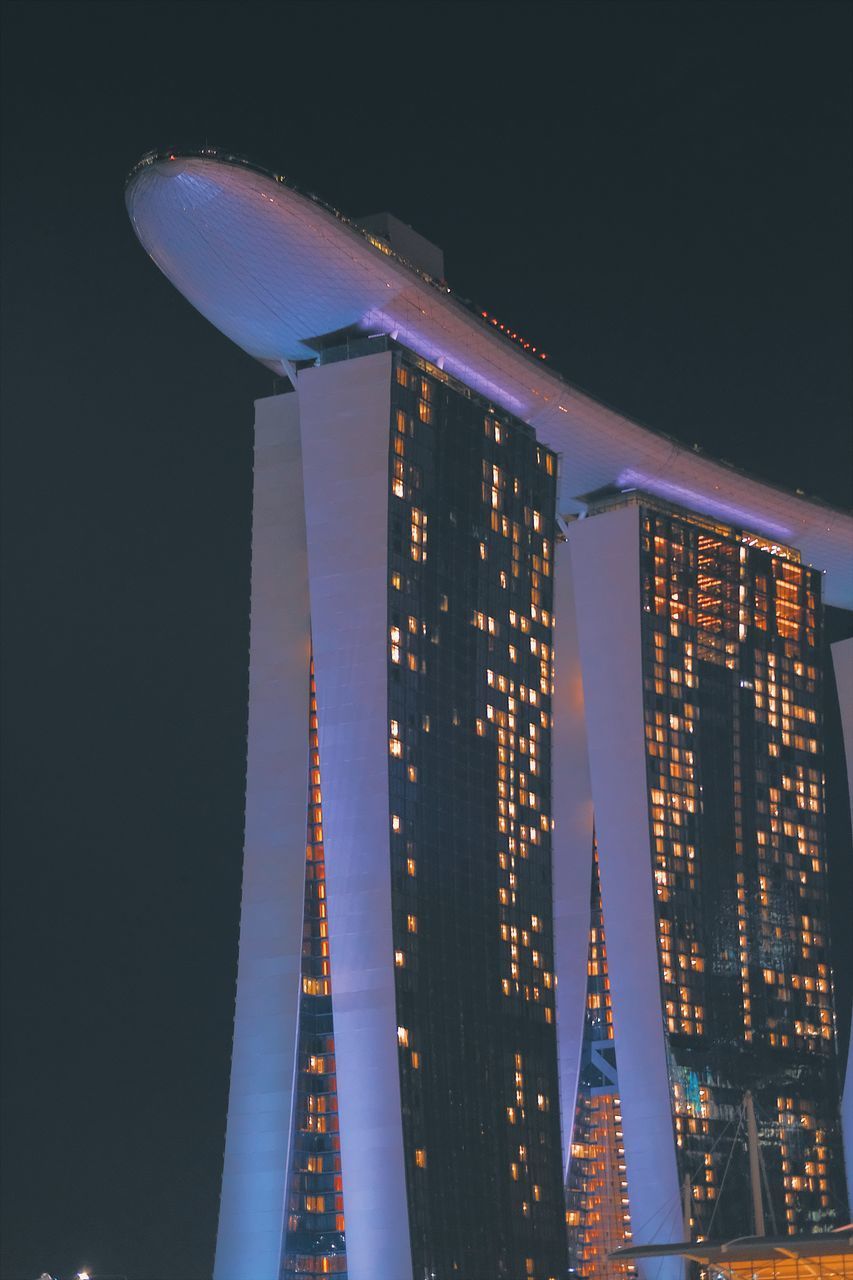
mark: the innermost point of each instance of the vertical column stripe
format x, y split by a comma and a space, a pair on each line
606, 568
251, 1215
345, 417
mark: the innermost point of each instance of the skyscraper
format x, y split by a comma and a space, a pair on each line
703, 701
429, 498
425, 1036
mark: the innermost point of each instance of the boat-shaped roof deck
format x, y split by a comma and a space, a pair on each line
275, 270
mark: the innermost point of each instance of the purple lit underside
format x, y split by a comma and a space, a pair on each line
272, 270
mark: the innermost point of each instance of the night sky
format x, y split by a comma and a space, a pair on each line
657, 194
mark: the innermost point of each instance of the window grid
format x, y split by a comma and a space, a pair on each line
736, 805
471, 529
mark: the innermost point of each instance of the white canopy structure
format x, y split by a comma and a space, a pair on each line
275, 270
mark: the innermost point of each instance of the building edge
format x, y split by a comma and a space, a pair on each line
606, 572
345, 412
253, 1196
842, 662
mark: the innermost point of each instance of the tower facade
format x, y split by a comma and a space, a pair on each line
423, 1129
708, 784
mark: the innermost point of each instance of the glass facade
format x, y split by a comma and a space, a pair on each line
314, 1241
597, 1208
732, 702
733, 709
471, 547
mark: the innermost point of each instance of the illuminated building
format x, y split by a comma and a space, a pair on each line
700, 649
424, 506
423, 1129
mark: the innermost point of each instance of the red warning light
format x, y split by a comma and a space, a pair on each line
511, 333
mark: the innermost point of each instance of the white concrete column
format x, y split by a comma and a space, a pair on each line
345, 414
260, 1108
842, 661
605, 556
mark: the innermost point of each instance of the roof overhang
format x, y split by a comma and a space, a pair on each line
272, 269
755, 1258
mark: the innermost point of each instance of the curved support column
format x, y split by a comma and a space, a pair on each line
252, 1205
842, 661
605, 557
345, 413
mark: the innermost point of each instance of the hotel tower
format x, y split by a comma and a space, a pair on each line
534, 951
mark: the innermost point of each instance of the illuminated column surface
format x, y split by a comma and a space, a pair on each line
842, 661
605, 568
345, 416
251, 1214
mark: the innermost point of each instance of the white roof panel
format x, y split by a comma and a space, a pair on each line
273, 269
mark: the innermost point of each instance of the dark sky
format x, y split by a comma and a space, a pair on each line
658, 194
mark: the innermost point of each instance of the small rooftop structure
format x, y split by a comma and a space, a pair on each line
405, 242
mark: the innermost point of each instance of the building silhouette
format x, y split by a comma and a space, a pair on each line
486, 612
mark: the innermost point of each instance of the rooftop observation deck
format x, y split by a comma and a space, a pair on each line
276, 270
